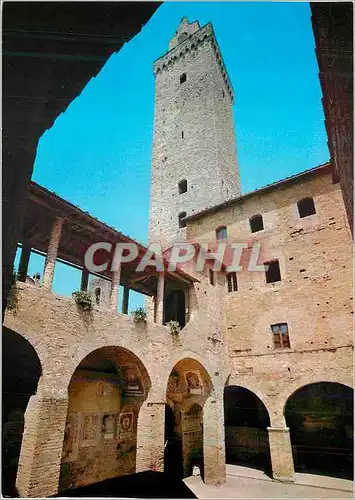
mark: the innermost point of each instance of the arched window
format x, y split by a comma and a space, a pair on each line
183, 78
221, 233
256, 223
97, 296
182, 216
306, 207
182, 186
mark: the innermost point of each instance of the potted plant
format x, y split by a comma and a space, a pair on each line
139, 315
83, 300
174, 327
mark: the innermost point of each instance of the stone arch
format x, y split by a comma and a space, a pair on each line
320, 418
105, 395
246, 420
189, 387
21, 371
233, 380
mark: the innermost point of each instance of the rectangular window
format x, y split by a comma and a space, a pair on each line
280, 334
273, 273
232, 282
212, 277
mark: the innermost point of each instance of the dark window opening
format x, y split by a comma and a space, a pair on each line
174, 308
256, 223
273, 273
221, 233
280, 334
182, 186
182, 223
183, 78
212, 277
232, 282
306, 207
97, 296
182, 134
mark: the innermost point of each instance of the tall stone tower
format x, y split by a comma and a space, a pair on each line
194, 164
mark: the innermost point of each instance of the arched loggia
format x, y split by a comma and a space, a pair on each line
246, 420
106, 393
320, 418
21, 371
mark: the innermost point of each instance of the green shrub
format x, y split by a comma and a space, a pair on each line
174, 327
139, 315
83, 300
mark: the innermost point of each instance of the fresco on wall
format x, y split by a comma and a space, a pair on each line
90, 428
194, 384
132, 380
174, 389
126, 424
108, 428
71, 438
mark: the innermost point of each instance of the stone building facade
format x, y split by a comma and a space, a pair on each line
262, 369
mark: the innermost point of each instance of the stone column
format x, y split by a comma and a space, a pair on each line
52, 253
125, 299
192, 304
159, 303
213, 441
281, 454
115, 288
150, 437
84, 280
41, 450
24, 260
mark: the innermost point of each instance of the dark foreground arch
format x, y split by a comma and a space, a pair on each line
320, 418
21, 370
246, 437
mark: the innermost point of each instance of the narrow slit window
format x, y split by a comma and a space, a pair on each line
221, 233
232, 282
273, 273
182, 134
183, 78
281, 336
182, 186
306, 207
97, 296
182, 222
256, 223
212, 276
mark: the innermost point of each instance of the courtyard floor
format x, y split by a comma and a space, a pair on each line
244, 482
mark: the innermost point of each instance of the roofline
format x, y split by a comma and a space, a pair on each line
183, 275
170, 50
269, 187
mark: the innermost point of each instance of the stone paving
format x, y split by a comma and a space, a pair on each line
243, 482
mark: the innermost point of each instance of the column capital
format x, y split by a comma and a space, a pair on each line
278, 429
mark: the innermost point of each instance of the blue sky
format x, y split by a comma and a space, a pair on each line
98, 153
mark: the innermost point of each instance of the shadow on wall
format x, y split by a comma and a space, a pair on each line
141, 485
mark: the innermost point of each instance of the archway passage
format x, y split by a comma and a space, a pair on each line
21, 370
106, 393
174, 309
320, 418
246, 420
189, 386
